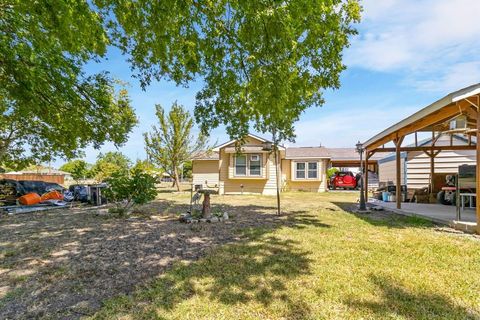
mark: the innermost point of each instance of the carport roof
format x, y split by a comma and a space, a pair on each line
335, 154
347, 154
415, 119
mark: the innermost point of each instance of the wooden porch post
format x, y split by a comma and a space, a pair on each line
432, 170
478, 168
398, 143
365, 174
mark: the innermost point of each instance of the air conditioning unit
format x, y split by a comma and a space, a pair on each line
254, 157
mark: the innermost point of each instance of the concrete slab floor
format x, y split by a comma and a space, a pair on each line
436, 212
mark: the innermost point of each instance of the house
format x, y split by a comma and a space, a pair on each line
415, 165
252, 170
39, 173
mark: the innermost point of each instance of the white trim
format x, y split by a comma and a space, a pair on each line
308, 158
306, 170
235, 165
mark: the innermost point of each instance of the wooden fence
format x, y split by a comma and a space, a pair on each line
55, 178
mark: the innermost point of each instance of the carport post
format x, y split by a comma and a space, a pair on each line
477, 176
366, 174
398, 142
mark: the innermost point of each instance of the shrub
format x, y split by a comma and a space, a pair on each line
127, 189
331, 172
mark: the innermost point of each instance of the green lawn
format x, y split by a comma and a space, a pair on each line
320, 263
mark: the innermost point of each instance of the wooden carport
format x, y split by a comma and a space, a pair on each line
461, 107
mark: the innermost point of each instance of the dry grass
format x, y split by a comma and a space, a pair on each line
321, 262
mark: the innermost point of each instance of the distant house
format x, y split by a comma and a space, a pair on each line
415, 165
252, 170
39, 173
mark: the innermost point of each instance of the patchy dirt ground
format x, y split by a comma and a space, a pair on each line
62, 264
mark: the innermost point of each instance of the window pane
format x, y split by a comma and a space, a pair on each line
255, 171
240, 171
240, 160
312, 170
300, 165
240, 165
255, 167
300, 174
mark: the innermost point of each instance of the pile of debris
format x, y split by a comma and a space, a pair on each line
189, 218
25, 196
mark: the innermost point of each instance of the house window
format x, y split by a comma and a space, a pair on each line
300, 170
248, 165
306, 170
241, 165
312, 170
255, 165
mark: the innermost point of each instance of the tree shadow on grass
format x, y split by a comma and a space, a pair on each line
254, 270
77, 259
397, 301
385, 218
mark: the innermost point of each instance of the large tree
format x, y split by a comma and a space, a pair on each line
78, 168
49, 106
263, 62
109, 163
172, 143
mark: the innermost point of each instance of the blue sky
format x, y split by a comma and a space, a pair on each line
408, 54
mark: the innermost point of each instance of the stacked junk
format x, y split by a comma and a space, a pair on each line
25, 196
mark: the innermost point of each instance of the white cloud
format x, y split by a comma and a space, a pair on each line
429, 38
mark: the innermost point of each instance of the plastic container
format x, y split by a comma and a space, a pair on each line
52, 195
29, 199
392, 198
385, 195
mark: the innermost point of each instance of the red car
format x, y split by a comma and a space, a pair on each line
345, 180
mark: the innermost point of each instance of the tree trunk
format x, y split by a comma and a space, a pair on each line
175, 172
206, 206
275, 150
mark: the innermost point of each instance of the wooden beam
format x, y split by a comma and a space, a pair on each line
443, 114
442, 148
398, 143
365, 174
478, 169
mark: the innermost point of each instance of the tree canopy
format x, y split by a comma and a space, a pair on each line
263, 62
172, 143
109, 163
78, 168
49, 106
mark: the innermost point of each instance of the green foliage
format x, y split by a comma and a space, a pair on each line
332, 171
147, 167
173, 143
127, 189
109, 163
78, 168
49, 107
262, 62
187, 169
